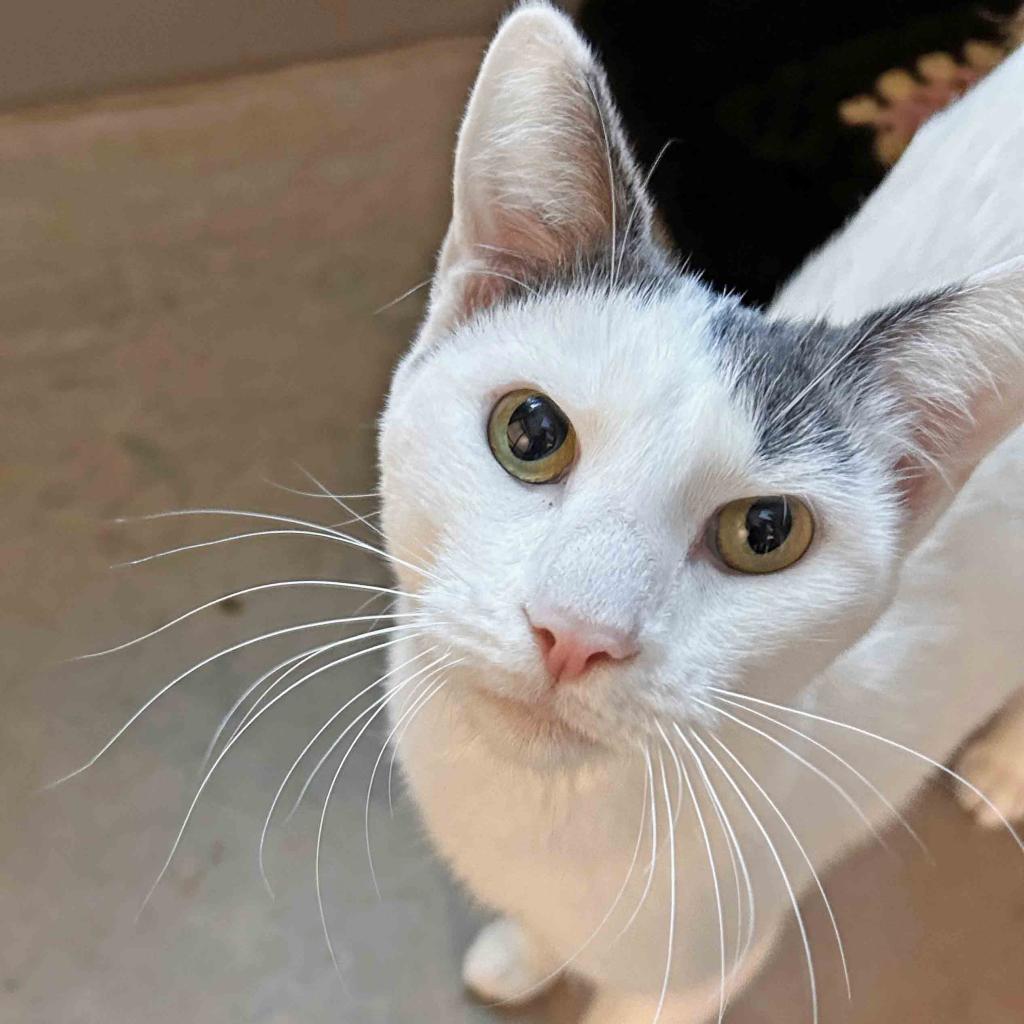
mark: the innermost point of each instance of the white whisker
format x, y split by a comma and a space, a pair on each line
320, 831
882, 798
218, 541
323, 728
341, 538
516, 254
778, 863
364, 519
410, 713
295, 661
809, 765
354, 517
417, 691
654, 849
340, 502
672, 893
611, 173
636, 207
684, 776
551, 975
803, 853
475, 271
418, 624
331, 495
736, 857
394, 302
410, 698
259, 588
374, 514
897, 746
330, 750
302, 659
209, 660
227, 748
829, 369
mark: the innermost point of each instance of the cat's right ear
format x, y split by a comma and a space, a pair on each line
543, 176
951, 378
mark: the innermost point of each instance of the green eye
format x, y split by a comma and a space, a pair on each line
765, 534
531, 437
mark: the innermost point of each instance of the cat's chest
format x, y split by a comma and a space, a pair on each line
504, 829
571, 856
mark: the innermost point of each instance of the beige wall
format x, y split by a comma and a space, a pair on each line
61, 48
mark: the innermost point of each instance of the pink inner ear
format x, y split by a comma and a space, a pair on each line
911, 486
542, 172
952, 443
511, 250
945, 440
523, 239
479, 290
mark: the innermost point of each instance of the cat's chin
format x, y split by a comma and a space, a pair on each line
528, 733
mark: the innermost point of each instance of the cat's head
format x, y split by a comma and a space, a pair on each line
624, 488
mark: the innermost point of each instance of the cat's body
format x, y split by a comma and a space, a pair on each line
540, 795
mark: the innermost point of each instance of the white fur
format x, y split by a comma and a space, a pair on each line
541, 817
506, 961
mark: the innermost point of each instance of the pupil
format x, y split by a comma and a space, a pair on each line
535, 429
768, 524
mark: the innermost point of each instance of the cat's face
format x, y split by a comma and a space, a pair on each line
624, 538
679, 492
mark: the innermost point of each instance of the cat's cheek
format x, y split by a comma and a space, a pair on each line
412, 541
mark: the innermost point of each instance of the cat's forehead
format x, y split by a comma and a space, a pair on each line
665, 360
635, 370
629, 345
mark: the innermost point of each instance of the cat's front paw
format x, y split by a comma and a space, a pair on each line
505, 964
994, 764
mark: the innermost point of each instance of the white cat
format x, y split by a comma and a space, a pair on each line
654, 522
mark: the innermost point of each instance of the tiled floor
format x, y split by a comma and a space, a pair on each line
188, 282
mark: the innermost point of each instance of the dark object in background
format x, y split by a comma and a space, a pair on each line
764, 168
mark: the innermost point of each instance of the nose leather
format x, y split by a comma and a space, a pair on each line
591, 582
570, 647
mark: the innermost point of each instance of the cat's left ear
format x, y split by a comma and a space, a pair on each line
949, 371
543, 175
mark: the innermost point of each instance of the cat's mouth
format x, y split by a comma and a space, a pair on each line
535, 723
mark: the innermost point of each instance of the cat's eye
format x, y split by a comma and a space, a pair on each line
765, 534
531, 437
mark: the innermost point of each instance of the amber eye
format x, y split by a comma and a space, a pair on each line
531, 437
766, 534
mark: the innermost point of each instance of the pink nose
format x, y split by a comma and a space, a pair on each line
569, 648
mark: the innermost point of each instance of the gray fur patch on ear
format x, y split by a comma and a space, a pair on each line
780, 371
820, 386
922, 391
